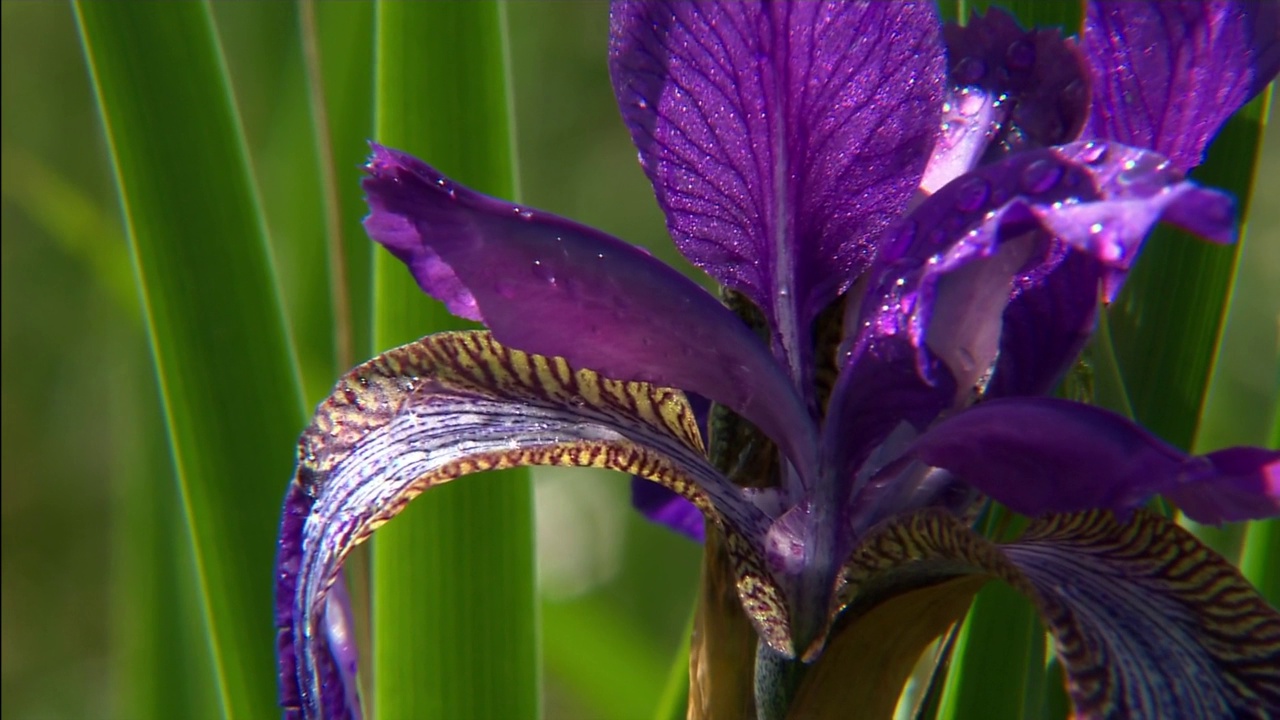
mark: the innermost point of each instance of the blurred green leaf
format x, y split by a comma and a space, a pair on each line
225, 366
998, 665
454, 611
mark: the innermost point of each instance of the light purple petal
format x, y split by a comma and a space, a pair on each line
780, 138
1044, 455
1168, 74
550, 286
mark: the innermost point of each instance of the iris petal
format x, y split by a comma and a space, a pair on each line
780, 138
553, 287
988, 236
1044, 455
1168, 74
1146, 621
454, 404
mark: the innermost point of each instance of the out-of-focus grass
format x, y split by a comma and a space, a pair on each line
78, 397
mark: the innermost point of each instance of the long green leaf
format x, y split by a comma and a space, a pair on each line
225, 368
1167, 321
454, 611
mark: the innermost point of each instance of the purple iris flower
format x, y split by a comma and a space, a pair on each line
914, 227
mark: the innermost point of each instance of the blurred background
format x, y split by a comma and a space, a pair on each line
92, 523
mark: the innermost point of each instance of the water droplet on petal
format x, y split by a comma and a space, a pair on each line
543, 272
1021, 55
970, 70
523, 214
972, 195
1040, 176
1093, 153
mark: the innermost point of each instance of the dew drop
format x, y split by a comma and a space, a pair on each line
1021, 55
523, 214
1040, 176
970, 70
543, 272
1093, 153
972, 195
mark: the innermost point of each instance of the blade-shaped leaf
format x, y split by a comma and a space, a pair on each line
224, 364
447, 642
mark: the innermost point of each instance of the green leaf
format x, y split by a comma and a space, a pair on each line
1167, 321
998, 666
454, 611
226, 372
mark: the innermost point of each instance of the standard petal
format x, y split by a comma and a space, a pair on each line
454, 404
1147, 621
1045, 455
1040, 78
1053, 223
1168, 74
667, 508
780, 138
550, 286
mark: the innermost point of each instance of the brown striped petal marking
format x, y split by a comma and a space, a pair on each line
1147, 621
458, 403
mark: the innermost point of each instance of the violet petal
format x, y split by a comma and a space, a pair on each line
1041, 78
1167, 75
946, 272
550, 286
1045, 455
780, 138
667, 508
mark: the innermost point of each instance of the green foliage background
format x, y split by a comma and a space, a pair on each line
99, 616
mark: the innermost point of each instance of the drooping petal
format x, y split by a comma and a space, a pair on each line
1147, 621
550, 286
454, 404
1045, 455
938, 294
1168, 74
780, 138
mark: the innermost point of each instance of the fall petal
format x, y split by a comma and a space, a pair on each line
1167, 75
446, 406
780, 138
550, 286
1146, 621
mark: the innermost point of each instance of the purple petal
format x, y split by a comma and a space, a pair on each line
948, 270
1044, 455
1047, 323
1238, 483
1041, 78
780, 138
550, 286
1168, 74
423, 415
1149, 622
667, 508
